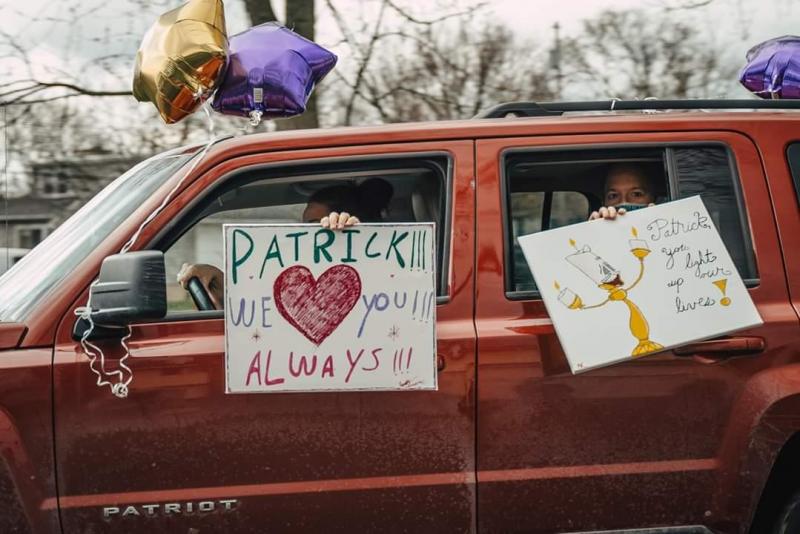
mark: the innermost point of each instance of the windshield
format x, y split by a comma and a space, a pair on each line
53, 259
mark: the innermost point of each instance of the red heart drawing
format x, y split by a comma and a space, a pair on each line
316, 308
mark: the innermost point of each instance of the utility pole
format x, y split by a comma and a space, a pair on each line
555, 59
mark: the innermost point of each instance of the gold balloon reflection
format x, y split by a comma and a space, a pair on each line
182, 59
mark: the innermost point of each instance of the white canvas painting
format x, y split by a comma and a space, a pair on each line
310, 309
649, 281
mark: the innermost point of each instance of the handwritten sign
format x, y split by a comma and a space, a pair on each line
310, 309
649, 281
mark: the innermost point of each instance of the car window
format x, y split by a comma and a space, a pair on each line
28, 282
202, 243
710, 172
550, 189
418, 194
533, 211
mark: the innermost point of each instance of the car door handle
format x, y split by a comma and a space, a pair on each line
722, 348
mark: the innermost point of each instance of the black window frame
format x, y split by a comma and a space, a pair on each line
673, 190
793, 161
193, 212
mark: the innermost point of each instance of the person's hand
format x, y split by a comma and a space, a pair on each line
607, 212
611, 212
337, 221
212, 279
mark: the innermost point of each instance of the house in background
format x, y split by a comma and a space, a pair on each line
10, 256
57, 189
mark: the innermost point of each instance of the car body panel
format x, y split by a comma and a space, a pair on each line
661, 441
11, 335
27, 471
297, 461
649, 439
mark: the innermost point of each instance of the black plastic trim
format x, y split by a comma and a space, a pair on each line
547, 109
688, 529
793, 159
98, 332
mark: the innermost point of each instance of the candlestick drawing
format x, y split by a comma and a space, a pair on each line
608, 278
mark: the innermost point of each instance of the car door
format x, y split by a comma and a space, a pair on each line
179, 455
640, 444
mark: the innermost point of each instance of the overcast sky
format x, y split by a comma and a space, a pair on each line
65, 40
114, 27
68, 39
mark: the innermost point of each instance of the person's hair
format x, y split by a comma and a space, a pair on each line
631, 168
366, 200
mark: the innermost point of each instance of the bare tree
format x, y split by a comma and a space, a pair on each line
34, 87
444, 69
260, 11
636, 54
399, 65
387, 27
31, 90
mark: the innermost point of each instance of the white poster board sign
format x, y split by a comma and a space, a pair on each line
310, 309
648, 281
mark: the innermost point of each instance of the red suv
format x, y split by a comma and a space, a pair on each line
705, 438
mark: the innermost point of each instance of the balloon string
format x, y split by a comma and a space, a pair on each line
197, 160
7, 179
119, 387
206, 107
255, 117
169, 196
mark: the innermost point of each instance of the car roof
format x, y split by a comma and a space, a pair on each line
609, 122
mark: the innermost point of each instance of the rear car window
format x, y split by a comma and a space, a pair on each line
550, 189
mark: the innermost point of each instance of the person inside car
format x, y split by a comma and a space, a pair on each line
334, 207
628, 187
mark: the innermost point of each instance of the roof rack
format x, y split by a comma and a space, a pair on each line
547, 109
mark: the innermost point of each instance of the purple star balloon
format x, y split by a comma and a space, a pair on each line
271, 73
773, 68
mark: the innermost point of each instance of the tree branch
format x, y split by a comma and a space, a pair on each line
260, 11
410, 18
690, 4
35, 86
348, 115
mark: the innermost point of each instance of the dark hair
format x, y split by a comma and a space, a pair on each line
366, 200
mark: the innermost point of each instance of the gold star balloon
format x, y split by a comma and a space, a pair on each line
182, 58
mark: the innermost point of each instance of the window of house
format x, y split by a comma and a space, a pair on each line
419, 189
549, 189
52, 185
30, 236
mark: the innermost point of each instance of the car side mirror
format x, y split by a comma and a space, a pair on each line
131, 287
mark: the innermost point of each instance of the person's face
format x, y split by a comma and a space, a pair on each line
314, 212
627, 188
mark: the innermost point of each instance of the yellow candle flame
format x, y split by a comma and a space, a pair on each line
572, 242
555, 284
634, 232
